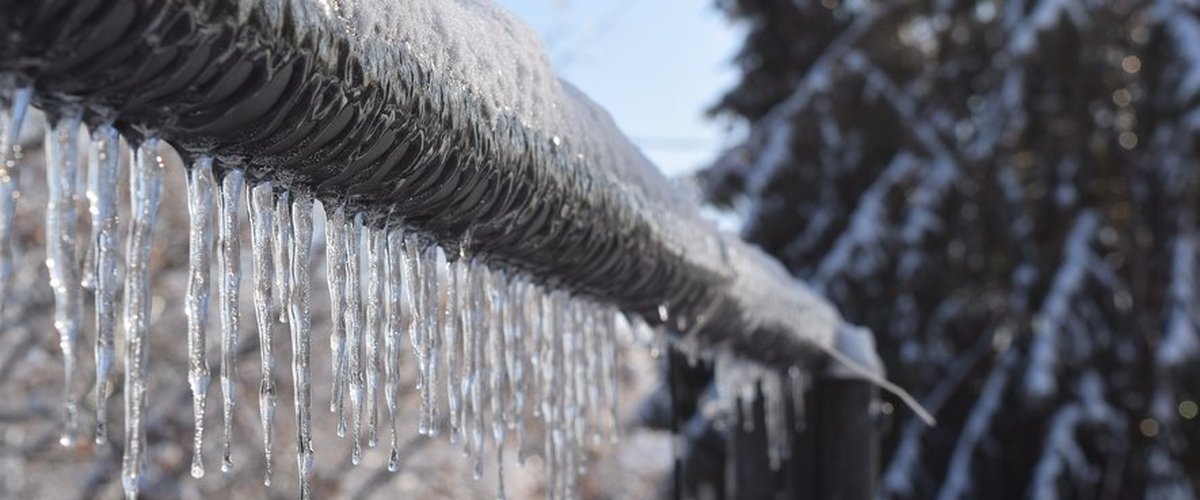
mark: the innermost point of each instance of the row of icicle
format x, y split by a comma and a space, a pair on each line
496, 346
511, 348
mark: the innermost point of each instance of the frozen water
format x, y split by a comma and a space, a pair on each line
200, 186
354, 332
335, 271
62, 167
145, 192
229, 278
300, 322
262, 219
11, 119
375, 322
102, 196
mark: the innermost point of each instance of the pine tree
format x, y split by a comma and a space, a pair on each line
1006, 194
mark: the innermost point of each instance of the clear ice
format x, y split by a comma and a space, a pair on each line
262, 219
62, 176
145, 192
200, 187
103, 176
229, 241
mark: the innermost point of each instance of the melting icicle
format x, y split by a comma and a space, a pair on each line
478, 370
470, 313
102, 196
775, 418
608, 361
453, 331
375, 323
62, 165
354, 331
11, 119
300, 321
416, 331
335, 275
261, 209
434, 303
283, 251
146, 190
391, 389
200, 187
229, 260
497, 381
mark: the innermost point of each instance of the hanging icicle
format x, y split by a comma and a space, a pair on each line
62, 167
145, 191
374, 328
354, 333
102, 196
335, 276
262, 220
300, 321
229, 260
11, 119
283, 252
200, 187
394, 332
453, 340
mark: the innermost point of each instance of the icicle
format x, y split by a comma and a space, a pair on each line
10, 156
549, 404
395, 255
497, 380
798, 385
470, 312
335, 275
434, 318
413, 299
102, 195
283, 250
62, 164
479, 367
375, 318
261, 209
354, 332
146, 190
300, 321
230, 262
775, 418
200, 187
610, 380
516, 358
453, 333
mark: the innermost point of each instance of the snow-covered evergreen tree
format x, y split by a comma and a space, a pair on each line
1006, 193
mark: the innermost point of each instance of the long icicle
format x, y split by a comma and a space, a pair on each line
11, 119
300, 321
262, 212
498, 379
453, 332
62, 167
102, 196
283, 251
374, 328
354, 333
335, 276
229, 260
432, 273
395, 326
413, 299
146, 191
200, 187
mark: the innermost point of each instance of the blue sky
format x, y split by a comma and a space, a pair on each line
655, 65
